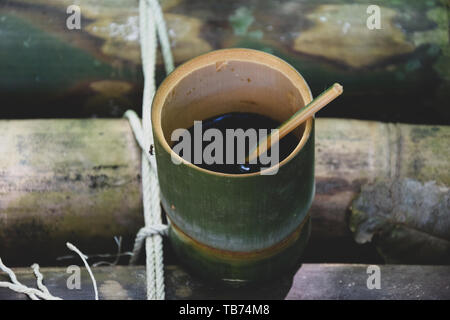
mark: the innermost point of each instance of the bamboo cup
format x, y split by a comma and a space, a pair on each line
235, 227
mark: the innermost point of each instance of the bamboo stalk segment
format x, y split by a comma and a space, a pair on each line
79, 181
49, 71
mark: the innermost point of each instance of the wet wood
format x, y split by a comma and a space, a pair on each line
128, 283
79, 181
349, 282
312, 281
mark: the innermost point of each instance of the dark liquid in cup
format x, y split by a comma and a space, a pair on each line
237, 120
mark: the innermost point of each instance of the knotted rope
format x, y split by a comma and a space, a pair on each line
42, 291
150, 21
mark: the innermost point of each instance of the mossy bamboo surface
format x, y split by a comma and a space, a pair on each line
67, 180
79, 181
399, 73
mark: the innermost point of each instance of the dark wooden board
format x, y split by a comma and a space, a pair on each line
312, 281
349, 282
128, 283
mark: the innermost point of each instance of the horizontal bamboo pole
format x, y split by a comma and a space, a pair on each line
49, 71
312, 281
79, 181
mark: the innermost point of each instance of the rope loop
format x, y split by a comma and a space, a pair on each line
144, 233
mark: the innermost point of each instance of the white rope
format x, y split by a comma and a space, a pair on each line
151, 20
162, 34
15, 284
136, 127
83, 257
39, 278
42, 291
143, 233
30, 292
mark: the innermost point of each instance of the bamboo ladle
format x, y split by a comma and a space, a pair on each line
297, 119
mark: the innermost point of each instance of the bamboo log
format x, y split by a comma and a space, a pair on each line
312, 281
67, 180
79, 181
350, 154
96, 70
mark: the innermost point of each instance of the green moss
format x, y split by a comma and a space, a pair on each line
418, 133
29, 45
241, 21
439, 15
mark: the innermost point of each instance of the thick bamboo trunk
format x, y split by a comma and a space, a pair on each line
398, 73
67, 180
79, 181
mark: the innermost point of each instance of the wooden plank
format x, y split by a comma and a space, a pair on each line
312, 281
349, 282
128, 283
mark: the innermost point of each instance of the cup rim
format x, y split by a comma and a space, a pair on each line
210, 58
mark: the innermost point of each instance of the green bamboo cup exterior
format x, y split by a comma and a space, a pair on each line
236, 227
